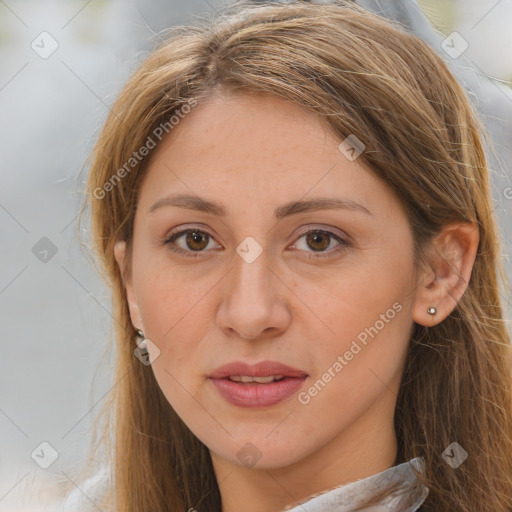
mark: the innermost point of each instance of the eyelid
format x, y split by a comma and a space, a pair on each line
320, 227
342, 239
178, 232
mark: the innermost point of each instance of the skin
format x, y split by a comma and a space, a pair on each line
253, 154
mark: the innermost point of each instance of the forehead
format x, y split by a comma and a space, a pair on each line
256, 147
228, 129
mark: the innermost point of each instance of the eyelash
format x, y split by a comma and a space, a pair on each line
195, 254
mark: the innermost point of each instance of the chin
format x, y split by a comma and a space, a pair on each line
260, 452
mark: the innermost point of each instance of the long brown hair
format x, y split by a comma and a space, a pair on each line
361, 75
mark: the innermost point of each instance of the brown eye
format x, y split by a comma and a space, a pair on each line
316, 243
191, 241
318, 240
195, 240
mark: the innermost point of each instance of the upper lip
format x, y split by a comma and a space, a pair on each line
262, 369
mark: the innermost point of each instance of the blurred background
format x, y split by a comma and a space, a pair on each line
61, 65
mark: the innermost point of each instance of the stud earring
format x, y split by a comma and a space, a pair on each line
142, 344
142, 350
431, 310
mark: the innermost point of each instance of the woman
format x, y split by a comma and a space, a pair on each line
292, 207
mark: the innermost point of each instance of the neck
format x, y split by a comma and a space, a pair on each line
364, 449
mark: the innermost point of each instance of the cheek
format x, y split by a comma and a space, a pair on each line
361, 360
173, 309
176, 310
171, 305
357, 297
363, 323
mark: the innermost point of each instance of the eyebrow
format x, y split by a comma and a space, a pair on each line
192, 202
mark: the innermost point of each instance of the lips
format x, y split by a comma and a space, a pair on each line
263, 369
275, 382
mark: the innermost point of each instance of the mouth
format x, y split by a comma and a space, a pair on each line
247, 379
264, 369
261, 385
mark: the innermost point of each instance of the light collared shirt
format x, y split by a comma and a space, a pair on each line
341, 499
408, 496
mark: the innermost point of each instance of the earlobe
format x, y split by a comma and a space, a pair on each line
446, 278
120, 256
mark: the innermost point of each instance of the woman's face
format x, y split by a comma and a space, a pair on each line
275, 273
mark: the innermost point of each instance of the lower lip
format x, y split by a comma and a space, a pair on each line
258, 395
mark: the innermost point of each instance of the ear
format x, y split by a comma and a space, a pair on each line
446, 276
120, 256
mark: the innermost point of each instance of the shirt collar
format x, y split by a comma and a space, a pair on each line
410, 494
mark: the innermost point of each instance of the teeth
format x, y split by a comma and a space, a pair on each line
259, 380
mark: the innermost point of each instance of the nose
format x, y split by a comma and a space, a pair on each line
255, 300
